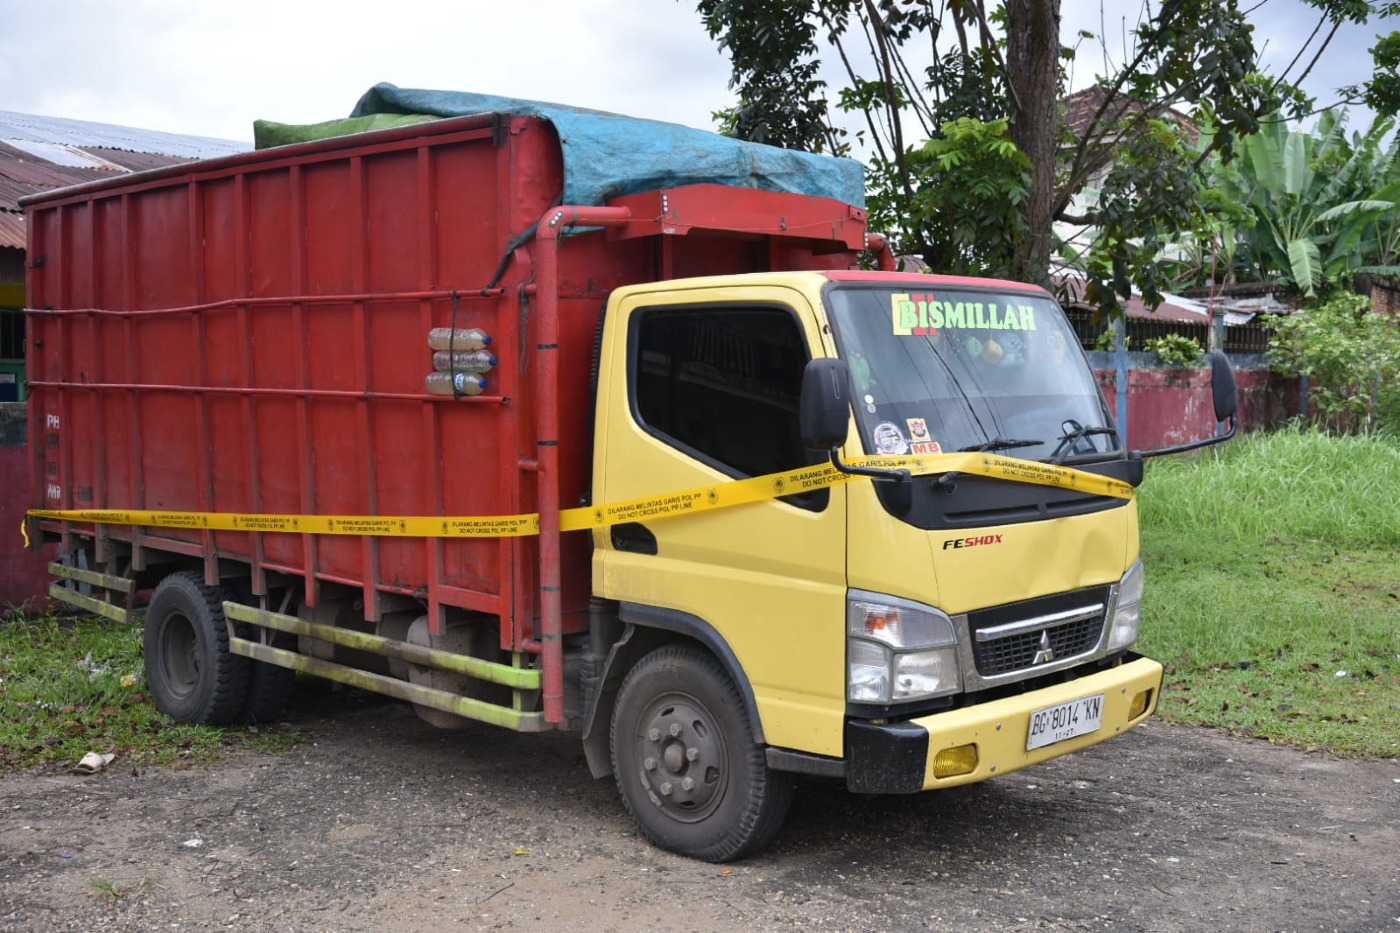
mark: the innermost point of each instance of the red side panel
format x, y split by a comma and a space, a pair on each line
249, 335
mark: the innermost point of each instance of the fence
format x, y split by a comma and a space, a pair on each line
1239, 338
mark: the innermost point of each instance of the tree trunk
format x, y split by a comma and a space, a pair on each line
1032, 65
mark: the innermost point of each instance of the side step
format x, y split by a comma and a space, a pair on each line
517, 678
116, 611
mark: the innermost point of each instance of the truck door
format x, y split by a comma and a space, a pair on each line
699, 388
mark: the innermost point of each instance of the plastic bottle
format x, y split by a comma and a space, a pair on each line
472, 361
463, 338
454, 384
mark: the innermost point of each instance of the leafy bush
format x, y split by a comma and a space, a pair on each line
1176, 350
1351, 358
1108, 341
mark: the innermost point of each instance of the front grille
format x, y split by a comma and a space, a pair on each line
1018, 650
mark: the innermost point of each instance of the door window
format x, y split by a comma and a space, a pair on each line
722, 385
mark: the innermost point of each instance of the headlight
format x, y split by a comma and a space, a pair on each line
1127, 611
898, 650
925, 673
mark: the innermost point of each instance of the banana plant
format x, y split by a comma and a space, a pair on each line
1317, 204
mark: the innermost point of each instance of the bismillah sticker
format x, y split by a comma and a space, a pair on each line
889, 440
924, 315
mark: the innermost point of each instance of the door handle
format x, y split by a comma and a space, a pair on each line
633, 537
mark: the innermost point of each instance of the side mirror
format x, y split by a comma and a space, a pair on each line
824, 410
1222, 386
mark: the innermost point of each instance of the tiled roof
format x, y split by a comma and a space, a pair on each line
1079, 109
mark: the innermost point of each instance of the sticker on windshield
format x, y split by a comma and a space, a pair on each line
919, 440
889, 440
924, 315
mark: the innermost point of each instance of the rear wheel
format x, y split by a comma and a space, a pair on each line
686, 762
191, 673
270, 687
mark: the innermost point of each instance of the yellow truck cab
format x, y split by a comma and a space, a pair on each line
906, 633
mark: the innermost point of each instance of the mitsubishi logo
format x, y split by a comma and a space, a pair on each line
1044, 654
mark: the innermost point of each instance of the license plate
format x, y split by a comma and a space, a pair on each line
1065, 721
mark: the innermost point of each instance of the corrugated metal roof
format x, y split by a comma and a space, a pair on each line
67, 156
134, 161
1172, 308
11, 229
28, 127
22, 174
44, 153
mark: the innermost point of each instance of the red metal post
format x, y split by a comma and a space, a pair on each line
548, 232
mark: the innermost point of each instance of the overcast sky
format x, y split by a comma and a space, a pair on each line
211, 68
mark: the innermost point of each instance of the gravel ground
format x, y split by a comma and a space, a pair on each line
379, 822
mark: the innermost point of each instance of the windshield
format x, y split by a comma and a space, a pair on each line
949, 369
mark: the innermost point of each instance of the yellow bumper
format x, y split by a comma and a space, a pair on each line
900, 757
999, 729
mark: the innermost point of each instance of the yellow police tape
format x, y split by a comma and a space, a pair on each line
687, 502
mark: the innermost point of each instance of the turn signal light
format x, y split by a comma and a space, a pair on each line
951, 762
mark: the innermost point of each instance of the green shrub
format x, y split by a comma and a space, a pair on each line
1351, 358
1176, 350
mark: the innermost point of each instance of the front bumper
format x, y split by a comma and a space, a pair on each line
898, 758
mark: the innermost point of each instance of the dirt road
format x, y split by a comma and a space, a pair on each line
378, 822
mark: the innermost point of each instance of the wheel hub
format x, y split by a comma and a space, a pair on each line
682, 759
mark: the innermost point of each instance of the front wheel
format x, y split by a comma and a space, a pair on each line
686, 762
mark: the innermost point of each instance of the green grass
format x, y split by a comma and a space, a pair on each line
72, 686
1273, 590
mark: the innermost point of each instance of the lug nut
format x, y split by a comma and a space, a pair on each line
666, 788
688, 784
691, 754
654, 734
649, 764
675, 729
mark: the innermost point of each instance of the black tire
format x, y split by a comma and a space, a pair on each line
191, 673
270, 687
685, 759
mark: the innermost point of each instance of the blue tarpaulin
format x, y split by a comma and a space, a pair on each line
607, 155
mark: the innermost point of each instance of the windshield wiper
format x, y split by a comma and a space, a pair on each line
997, 443
1076, 431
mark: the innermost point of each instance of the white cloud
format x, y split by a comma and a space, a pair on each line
212, 68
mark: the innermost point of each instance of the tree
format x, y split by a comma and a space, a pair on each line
987, 61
